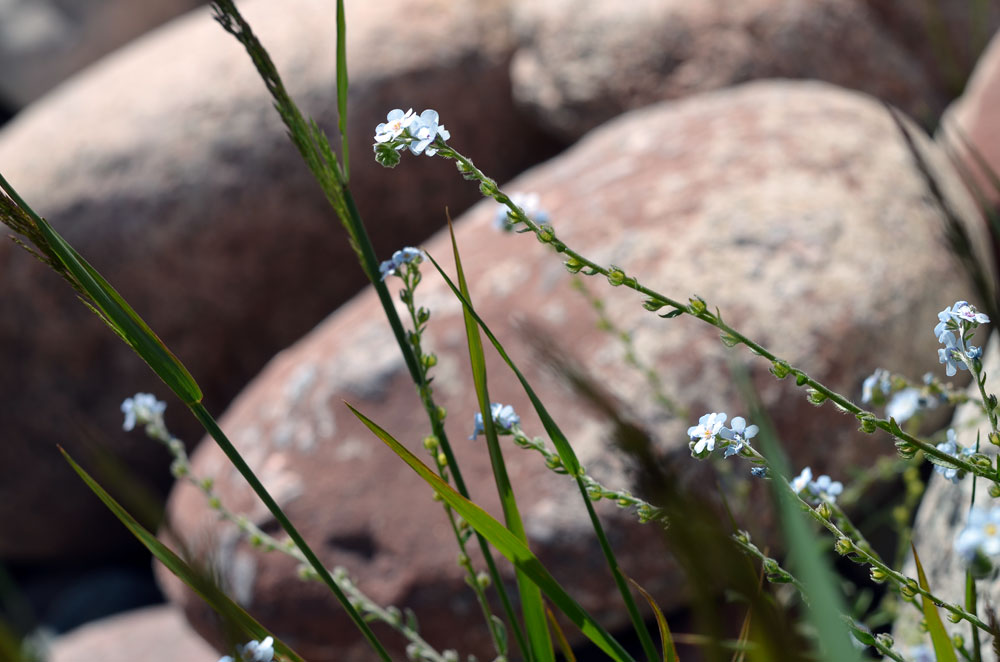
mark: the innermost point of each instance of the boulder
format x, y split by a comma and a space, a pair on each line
42, 42
792, 206
167, 167
971, 127
155, 634
581, 63
942, 515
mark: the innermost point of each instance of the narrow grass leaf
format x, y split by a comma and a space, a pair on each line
199, 582
531, 598
564, 647
342, 86
944, 651
123, 319
666, 640
509, 545
566, 455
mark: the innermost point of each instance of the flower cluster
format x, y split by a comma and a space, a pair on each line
254, 651
954, 328
419, 133
823, 488
503, 415
145, 409
711, 428
905, 402
530, 203
408, 255
951, 447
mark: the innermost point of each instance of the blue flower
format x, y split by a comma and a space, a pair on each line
144, 409
758, 472
396, 122
529, 203
953, 353
739, 434
903, 405
827, 489
960, 311
802, 481
705, 432
951, 447
981, 534
399, 258
425, 130
254, 651
879, 378
503, 415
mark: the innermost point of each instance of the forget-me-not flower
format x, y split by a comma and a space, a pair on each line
951, 447
530, 203
399, 258
880, 379
705, 432
254, 651
425, 130
903, 405
503, 415
981, 534
739, 434
396, 122
802, 481
826, 488
144, 409
954, 353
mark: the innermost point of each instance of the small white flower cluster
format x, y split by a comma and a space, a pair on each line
822, 489
530, 203
144, 409
503, 415
710, 429
904, 403
253, 651
399, 258
953, 330
419, 133
981, 534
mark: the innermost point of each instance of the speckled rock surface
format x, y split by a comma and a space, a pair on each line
582, 62
794, 207
943, 513
973, 119
156, 634
42, 42
168, 168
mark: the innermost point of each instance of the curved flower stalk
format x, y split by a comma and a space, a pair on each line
146, 411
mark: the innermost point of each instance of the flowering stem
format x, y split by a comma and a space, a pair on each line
698, 308
208, 422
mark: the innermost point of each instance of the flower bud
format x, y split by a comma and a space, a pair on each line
885, 639
868, 425
908, 589
994, 490
824, 510
431, 442
843, 546
616, 276
573, 265
954, 618
697, 305
780, 369
815, 397
905, 449
878, 576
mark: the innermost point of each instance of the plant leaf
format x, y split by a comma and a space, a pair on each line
666, 640
199, 583
943, 649
507, 544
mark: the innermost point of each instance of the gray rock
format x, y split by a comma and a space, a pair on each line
43, 42
794, 207
155, 634
168, 168
581, 62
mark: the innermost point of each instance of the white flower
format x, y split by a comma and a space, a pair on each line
739, 434
704, 433
396, 122
879, 378
981, 534
257, 651
529, 203
425, 130
827, 489
399, 258
802, 481
951, 447
144, 409
503, 415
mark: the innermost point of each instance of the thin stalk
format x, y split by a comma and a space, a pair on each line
208, 422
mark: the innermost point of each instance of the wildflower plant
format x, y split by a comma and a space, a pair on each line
531, 633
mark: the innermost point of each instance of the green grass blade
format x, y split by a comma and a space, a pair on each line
199, 582
342, 86
564, 647
566, 454
108, 304
507, 544
944, 651
532, 607
666, 640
